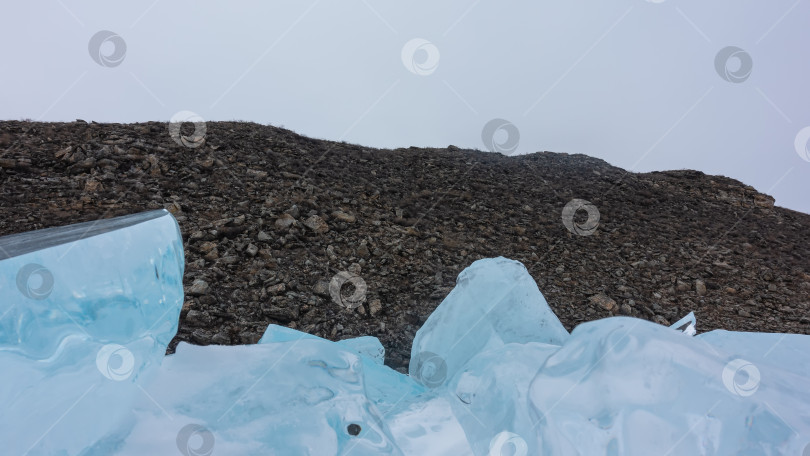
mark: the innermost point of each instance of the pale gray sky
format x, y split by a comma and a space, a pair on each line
637, 83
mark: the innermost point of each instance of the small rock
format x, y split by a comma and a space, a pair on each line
316, 224
321, 288
221, 339
254, 173
730, 290
743, 313
766, 274
277, 289
206, 163
661, 320
700, 287
207, 246
626, 309
374, 307
196, 318
344, 217
762, 200
94, 186
282, 314
285, 222
264, 237
198, 288
249, 337
252, 250
200, 337
605, 302
682, 286
362, 251
173, 207
229, 259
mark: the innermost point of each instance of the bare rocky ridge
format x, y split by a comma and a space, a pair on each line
268, 217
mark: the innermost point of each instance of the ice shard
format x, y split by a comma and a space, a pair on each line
495, 302
86, 312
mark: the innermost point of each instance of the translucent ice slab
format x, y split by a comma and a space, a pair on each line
495, 302
86, 313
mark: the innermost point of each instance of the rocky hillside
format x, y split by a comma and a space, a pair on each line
270, 218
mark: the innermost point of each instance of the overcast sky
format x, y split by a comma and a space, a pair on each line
644, 85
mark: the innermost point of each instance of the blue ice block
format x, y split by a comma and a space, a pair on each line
495, 302
86, 313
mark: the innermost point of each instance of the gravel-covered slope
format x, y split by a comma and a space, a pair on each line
270, 217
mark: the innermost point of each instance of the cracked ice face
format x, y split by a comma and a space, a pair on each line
306, 396
86, 310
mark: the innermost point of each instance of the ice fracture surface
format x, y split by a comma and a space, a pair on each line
86, 312
86, 315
